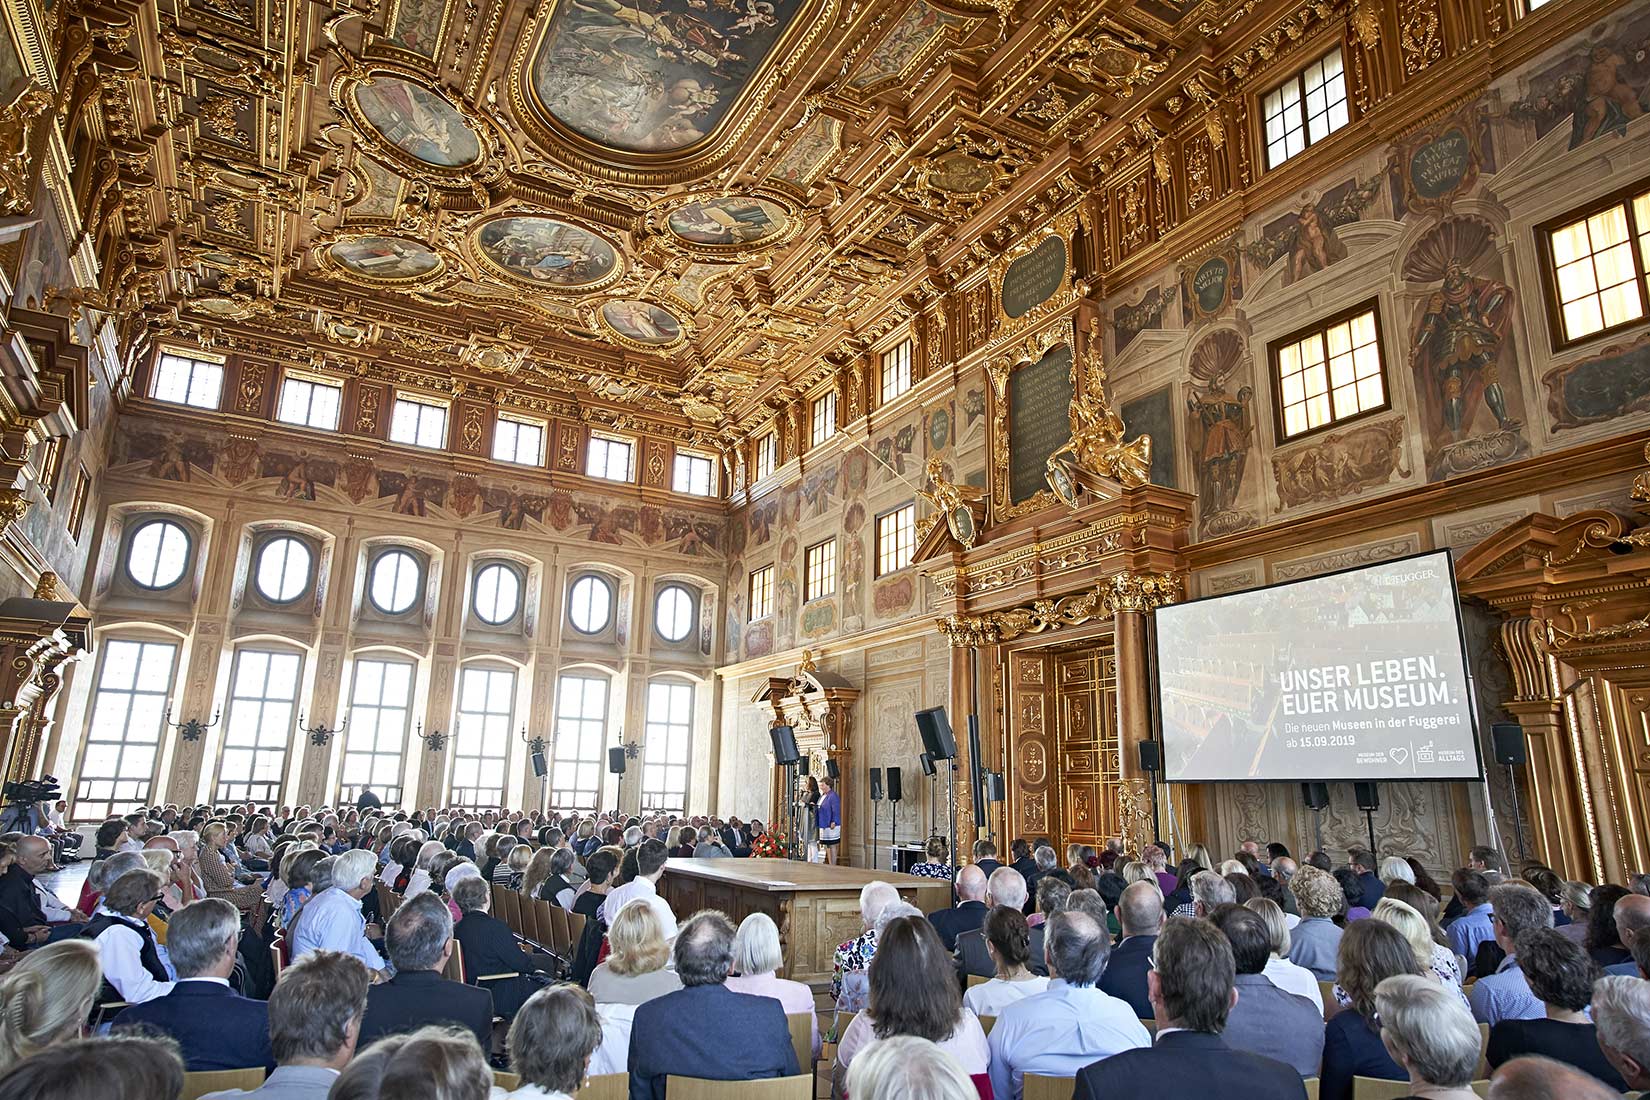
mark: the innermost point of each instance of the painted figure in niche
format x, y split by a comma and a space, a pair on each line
1127, 322
560, 510
1221, 425
973, 411
1597, 90
170, 464
240, 459
410, 500
464, 498
1308, 235
297, 484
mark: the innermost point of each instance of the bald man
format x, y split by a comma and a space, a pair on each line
1140, 916
1632, 923
1536, 1078
970, 910
30, 914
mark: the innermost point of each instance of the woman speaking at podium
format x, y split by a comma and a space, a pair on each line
830, 821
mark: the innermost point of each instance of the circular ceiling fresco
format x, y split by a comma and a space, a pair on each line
641, 322
547, 252
961, 174
417, 121
729, 222
387, 259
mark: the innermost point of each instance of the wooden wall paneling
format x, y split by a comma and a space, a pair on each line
1033, 798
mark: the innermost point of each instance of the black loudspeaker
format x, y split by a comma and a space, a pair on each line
831, 768
993, 784
1508, 739
1151, 756
937, 737
784, 745
540, 764
876, 784
802, 767
1369, 795
1315, 795
927, 763
894, 791
615, 760
978, 790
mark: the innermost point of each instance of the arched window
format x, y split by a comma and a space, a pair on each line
481, 741
394, 581
283, 569
263, 695
496, 595
581, 734
158, 555
380, 712
590, 604
673, 613
117, 765
667, 746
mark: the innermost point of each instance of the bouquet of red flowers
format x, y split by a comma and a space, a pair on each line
768, 846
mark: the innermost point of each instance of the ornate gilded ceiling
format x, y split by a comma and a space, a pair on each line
665, 209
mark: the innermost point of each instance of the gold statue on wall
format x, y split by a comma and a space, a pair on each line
1097, 445
961, 506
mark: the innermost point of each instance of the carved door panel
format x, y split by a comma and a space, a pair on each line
1088, 745
1032, 796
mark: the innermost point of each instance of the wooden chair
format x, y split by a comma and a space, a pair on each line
975, 979
277, 956
196, 1085
1149, 1024
802, 1038
1483, 1052
1038, 1087
1327, 990
1311, 1084
987, 1023
512, 910
1375, 1088
529, 916
607, 1086
561, 930
509, 1082
1482, 1088
800, 1087
454, 970
575, 931
388, 902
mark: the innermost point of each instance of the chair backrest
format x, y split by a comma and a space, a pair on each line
606, 1086
1038, 1087
1483, 1051
1482, 1088
509, 1082
802, 1037
512, 909
987, 1023
1327, 991
529, 907
1311, 1084
976, 979
841, 1020
575, 930
1150, 1024
196, 1085
277, 955
800, 1087
561, 929
454, 970
1375, 1088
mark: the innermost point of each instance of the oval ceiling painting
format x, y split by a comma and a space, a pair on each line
417, 121
642, 322
546, 252
729, 222
388, 259
652, 78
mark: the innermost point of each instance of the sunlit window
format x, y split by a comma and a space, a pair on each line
262, 698
418, 423
497, 594
819, 570
283, 569
394, 582
695, 474
481, 738
380, 716
1330, 374
310, 402
1597, 265
896, 371
667, 745
761, 592
581, 736
1305, 109
158, 555
613, 459
590, 604
896, 539
673, 613
184, 381
519, 441
117, 763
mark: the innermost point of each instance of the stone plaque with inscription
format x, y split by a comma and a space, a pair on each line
1035, 277
1437, 168
1039, 420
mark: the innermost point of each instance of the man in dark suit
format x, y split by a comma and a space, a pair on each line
490, 948
736, 837
669, 1034
467, 844
1363, 865
1021, 861
215, 1027
420, 941
1004, 887
1191, 992
985, 857
968, 914
1140, 913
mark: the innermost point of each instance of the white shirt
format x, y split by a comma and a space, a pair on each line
417, 883
122, 952
967, 1044
613, 1056
643, 889
1294, 978
990, 998
52, 905
54, 818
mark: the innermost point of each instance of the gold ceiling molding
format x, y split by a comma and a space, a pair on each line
962, 172
1125, 591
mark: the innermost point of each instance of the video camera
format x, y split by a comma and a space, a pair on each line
30, 791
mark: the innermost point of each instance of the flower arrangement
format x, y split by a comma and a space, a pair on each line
768, 846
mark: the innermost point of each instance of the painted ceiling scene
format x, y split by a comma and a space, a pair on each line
673, 209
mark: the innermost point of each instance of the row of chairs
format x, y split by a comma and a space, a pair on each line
542, 923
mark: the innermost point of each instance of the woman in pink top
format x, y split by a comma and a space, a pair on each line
756, 958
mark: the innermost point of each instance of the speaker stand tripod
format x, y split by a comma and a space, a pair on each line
1518, 820
893, 835
876, 822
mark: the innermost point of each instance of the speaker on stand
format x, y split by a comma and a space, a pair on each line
894, 793
941, 744
1369, 800
876, 810
787, 756
1151, 762
615, 765
1316, 798
933, 775
1507, 738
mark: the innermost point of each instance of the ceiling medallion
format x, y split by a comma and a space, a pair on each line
548, 253
965, 170
639, 324
729, 223
415, 125
385, 259
960, 174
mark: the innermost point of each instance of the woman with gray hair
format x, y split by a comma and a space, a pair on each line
756, 961
1431, 1034
551, 1043
908, 1067
132, 969
556, 887
1576, 900
419, 880
855, 955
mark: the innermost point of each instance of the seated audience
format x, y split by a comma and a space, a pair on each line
636, 970
314, 1022
1576, 899
1370, 953
219, 876
332, 919
430, 1064
756, 960
1048, 866
1632, 917
913, 992
121, 1067
1362, 864
1476, 923
1266, 1020
215, 1027
937, 865
985, 857
1535, 1078
1282, 973
132, 970
1621, 1012
1052, 894
1315, 941
1057, 1032
1561, 975
47, 998
906, 1067
1006, 886
1433, 958
587, 904
557, 888
687, 1032
490, 948
1008, 941
1443, 961
970, 910
1352, 888
1140, 918
1505, 995
855, 955
34, 858
650, 867
1191, 992
551, 1043
710, 845
1430, 1035
419, 941
423, 865
1603, 940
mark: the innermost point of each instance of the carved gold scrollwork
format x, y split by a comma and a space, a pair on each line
13, 507
1120, 592
16, 159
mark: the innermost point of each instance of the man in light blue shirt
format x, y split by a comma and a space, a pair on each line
1070, 1025
332, 920
1474, 926
1506, 995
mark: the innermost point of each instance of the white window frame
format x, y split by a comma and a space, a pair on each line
426, 409
767, 455
760, 589
900, 526
612, 590
607, 446
575, 728
667, 746
822, 413
1303, 110
201, 384
482, 736
819, 570
301, 387
513, 453
694, 474
376, 709
266, 712
139, 790
896, 371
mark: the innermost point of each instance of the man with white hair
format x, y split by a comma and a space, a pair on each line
1210, 890
1621, 1013
856, 954
332, 920
969, 912
1006, 886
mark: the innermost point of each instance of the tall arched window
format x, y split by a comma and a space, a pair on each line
481, 738
117, 763
667, 746
380, 710
263, 695
581, 736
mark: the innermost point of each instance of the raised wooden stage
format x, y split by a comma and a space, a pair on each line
816, 906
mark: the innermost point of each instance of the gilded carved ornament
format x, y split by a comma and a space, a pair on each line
14, 505
1097, 445
16, 138
960, 507
1126, 592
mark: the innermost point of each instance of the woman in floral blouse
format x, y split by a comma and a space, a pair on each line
935, 865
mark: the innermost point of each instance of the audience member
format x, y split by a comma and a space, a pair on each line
332, 919
1537, 1078
490, 947
419, 941
551, 1043
121, 1067
1370, 953
1362, 863
1430, 1035
757, 958
1352, 889
1621, 1013
1286, 975
636, 971
1603, 940
937, 864
132, 970
1210, 890
1140, 917
215, 1027
1561, 975
1437, 960
855, 955
1006, 886
1020, 858
1505, 995
1315, 941
1476, 923
47, 998
650, 867
430, 1064
907, 1067
1008, 940
1264, 1019
1059, 1031
315, 1017
985, 857
686, 1032
1632, 917
1052, 894
970, 910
